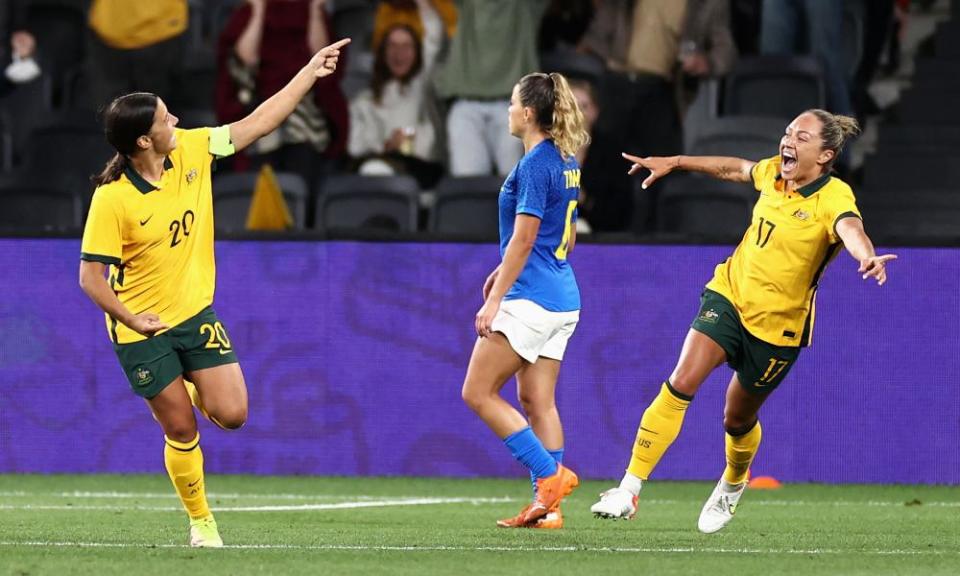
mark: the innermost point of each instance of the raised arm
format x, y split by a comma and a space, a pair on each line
275, 109
247, 48
721, 167
858, 244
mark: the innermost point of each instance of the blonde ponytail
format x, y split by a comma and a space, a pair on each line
556, 109
568, 130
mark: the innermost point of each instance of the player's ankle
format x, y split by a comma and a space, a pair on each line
631, 484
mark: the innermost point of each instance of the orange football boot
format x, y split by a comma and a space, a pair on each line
550, 491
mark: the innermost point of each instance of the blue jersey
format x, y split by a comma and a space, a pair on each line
544, 185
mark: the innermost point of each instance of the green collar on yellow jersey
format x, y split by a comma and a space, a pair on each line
812, 188
139, 182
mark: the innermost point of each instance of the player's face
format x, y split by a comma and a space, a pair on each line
161, 133
801, 149
401, 52
516, 121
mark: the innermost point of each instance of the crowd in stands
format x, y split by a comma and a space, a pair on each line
424, 88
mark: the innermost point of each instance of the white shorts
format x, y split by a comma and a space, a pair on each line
534, 331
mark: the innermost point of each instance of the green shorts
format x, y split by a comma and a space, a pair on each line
194, 344
760, 366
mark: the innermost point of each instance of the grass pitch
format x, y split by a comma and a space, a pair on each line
97, 524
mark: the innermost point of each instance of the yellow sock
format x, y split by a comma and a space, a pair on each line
184, 462
740, 452
659, 427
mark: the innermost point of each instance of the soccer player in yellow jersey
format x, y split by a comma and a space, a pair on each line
758, 310
150, 229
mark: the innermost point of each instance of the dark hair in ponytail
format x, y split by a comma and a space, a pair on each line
125, 120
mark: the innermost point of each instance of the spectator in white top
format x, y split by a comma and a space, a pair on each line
393, 124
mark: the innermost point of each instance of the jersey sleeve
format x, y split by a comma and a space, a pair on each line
214, 142
533, 182
103, 233
835, 206
764, 171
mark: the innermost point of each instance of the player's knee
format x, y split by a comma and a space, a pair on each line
231, 418
685, 383
182, 431
534, 405
737, 424
473, 398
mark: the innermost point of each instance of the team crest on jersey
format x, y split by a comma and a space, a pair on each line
144, 377
709, 316
191, 175
800, 214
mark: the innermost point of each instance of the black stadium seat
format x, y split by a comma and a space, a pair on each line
778, 86
27, 207
467, 206
749, 137
232, 193
704, 208
374, 202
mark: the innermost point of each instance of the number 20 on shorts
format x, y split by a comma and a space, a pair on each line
216, 336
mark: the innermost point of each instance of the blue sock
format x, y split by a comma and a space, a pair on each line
529, 451
558, 457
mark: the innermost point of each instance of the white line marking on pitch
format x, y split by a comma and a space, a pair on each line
277, 508
362, 548
347, 497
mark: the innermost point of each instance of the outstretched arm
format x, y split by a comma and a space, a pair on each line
275, 109
724, 168
858, 244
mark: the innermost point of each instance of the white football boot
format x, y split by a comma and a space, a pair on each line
719, 509
616, 503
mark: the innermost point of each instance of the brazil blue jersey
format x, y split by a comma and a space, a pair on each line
544, 185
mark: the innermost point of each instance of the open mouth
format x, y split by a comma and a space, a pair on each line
789, 160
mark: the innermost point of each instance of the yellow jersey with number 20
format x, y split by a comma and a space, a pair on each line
157, 238
772, 276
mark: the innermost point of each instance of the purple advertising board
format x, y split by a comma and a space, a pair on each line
354, 354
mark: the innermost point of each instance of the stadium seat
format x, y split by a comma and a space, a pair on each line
28, 207
938, 74
468, 206
373, 202
926, 106
927, 215
749, 137
777, 86
232, 193
88, 153
907, 171
947, 40
704, 208
919, 137
6, 148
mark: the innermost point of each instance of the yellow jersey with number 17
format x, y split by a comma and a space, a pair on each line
772, 277
157, 238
